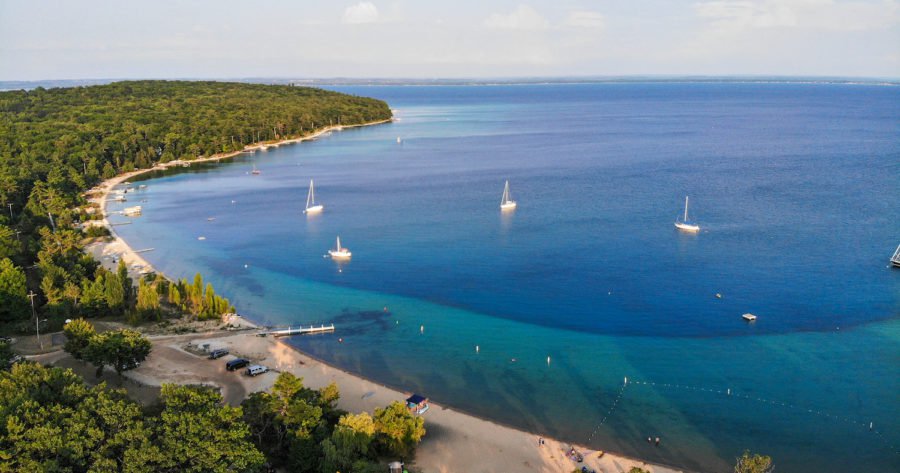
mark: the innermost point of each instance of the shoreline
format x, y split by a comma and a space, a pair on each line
456, 440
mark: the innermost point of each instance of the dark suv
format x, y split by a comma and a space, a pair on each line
236, 364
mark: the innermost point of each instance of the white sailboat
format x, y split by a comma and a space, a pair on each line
338, 252
506, 203
311, 205
683, 225
255, 171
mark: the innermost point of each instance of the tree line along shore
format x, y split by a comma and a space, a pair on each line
55, 144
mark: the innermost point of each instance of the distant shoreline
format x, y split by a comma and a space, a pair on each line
12, 85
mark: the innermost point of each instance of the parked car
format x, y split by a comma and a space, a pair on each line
218, 353
236, 364
256, 369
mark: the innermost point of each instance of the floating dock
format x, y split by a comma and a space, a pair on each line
749, 317
301, 330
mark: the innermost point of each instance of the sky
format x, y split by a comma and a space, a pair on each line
96, 39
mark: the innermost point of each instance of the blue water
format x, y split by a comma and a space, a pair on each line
795, 187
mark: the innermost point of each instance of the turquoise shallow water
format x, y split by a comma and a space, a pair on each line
794, 186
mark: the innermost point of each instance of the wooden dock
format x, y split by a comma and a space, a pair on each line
301, 330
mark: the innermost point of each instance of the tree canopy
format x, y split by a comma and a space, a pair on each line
51, 421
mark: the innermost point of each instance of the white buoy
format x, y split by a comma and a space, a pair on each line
421, 329
477, 349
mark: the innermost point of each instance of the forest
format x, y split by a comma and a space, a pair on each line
55, 144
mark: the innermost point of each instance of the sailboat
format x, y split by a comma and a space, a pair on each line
338, 252
311, 205
255, 171
684, 225
506, 203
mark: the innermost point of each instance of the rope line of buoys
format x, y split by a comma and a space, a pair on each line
610, 411
730, 393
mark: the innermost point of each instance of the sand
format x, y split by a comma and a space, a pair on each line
455, 442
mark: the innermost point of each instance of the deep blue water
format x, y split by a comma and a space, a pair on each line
794, 185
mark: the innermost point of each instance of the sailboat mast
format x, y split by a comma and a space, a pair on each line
685, 208
339, 243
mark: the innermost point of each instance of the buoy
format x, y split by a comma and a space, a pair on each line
421, 329
385, 308
340, 340
548, 360
246, 265
729, 391
477, 348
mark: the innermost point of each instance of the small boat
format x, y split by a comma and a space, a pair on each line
505, 202
399, 140
749, 317
201, 238
132, 211
311, 205
683, 224
338, 252
255, 171
895, 260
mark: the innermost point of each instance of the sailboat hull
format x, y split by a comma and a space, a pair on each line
314, 209
341, 254
508, 206
686, 227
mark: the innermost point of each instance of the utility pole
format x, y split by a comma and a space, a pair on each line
37, 326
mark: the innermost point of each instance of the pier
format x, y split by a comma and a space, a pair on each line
301, 330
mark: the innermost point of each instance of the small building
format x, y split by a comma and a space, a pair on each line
417, 404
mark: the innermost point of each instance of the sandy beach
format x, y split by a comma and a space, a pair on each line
455, 442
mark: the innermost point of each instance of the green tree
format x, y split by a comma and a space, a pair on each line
348, 449
123, 349
754, 463
124, 279
79, 334
6, 355
114, 293
13, 296
398, 430
9, 243
195, 433
147, 301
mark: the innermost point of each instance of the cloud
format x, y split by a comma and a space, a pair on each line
738, 15
362, 12
586, 19
522, 18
